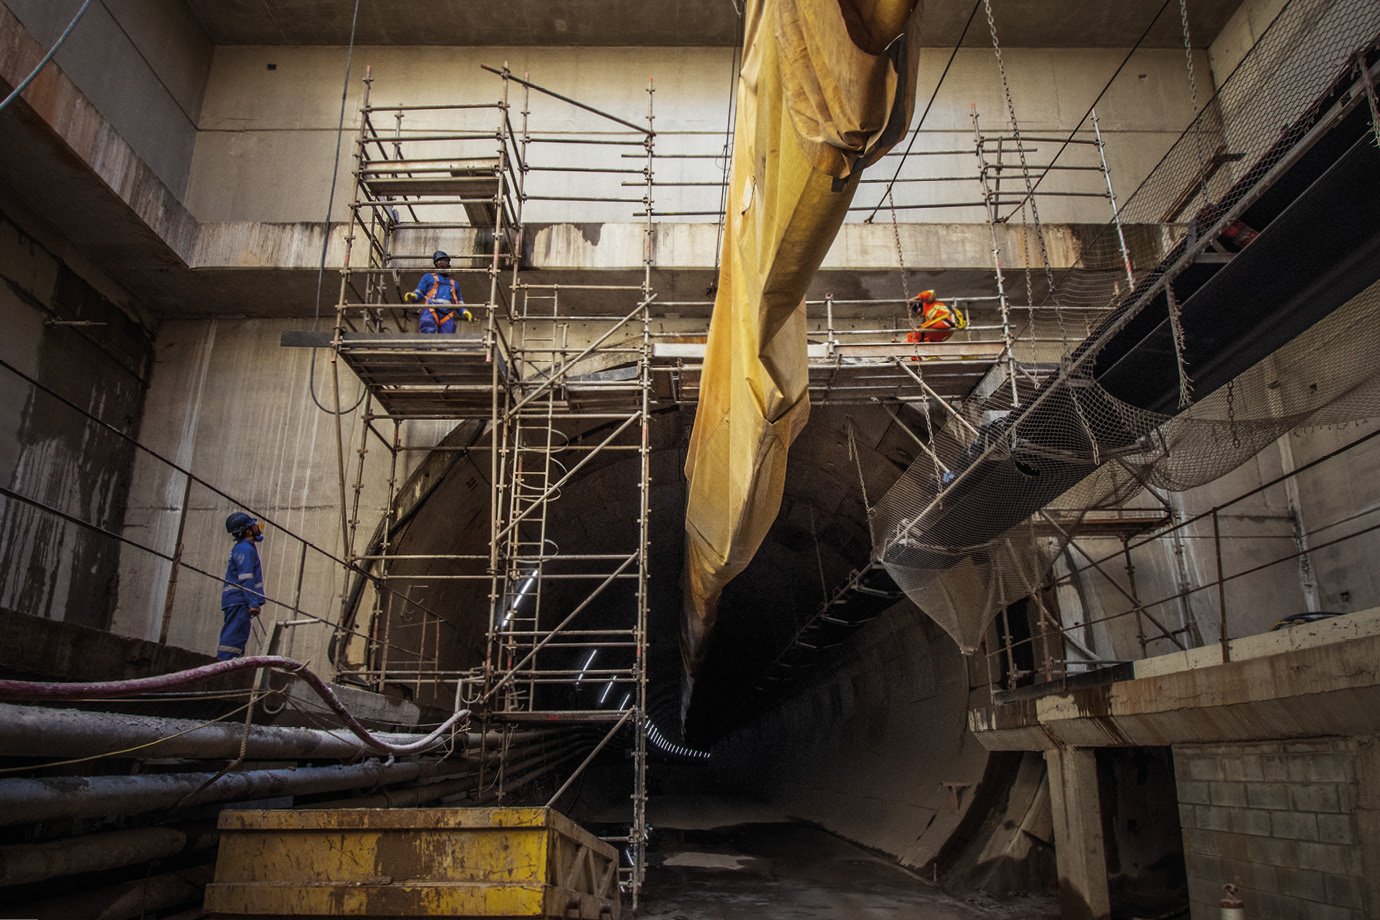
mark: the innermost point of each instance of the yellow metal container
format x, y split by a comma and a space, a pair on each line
424, 862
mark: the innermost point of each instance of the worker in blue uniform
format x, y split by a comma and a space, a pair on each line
242, 597
441, 294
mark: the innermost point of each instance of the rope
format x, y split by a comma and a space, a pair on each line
1177, 326
24, 83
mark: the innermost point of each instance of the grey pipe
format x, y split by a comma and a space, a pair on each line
43, 732
26, 801
25, 863
125, 901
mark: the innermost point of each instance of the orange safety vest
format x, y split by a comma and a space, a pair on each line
937, 322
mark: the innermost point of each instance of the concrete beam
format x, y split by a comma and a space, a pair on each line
1030, 23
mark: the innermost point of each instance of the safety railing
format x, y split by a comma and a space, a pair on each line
1036, 643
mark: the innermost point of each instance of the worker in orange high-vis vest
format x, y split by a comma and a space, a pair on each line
934, 320
441, 294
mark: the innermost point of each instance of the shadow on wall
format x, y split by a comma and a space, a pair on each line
877, 750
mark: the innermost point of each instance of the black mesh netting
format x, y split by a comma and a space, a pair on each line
956, 531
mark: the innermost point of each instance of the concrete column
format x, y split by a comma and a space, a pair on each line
1367, 764
1078, 846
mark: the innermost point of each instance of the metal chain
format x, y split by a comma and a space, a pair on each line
900, 256
1193, 98
857, 459
929, 433
1025, 170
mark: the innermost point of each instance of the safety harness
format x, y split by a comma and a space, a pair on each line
436, 285
439, 319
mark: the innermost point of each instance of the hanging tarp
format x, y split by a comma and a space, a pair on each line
825, 89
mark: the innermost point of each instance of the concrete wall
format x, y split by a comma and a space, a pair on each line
74, 332
1331, 506
228, 404
1281, 821
268, 135
142, 63
865, 749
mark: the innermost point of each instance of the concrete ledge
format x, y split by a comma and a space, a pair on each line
1293, 638
1304, 682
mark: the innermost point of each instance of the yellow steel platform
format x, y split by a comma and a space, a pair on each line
424, 862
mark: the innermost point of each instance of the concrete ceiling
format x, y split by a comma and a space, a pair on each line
1027, 23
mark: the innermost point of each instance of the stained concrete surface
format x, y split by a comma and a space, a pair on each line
790, 871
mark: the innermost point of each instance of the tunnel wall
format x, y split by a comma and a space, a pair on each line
1291, 823
268, 124
143, 65
228, 403
866, 748
1331, 505
75, 332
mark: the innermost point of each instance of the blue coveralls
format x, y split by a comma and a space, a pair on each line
244, 588
444, 303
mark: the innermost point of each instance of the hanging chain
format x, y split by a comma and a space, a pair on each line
857, 459
1025, 171
1029, 275
929, 433
1193, 98
900, 256
1231, 413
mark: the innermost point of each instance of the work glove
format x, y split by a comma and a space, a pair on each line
410, 297
466, 315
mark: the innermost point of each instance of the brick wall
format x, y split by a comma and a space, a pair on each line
1278, 819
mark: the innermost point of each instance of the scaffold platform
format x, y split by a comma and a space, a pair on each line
419, 375
851, 373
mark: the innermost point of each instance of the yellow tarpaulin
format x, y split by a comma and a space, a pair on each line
826, 88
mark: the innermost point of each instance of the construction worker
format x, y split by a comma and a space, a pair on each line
242, 597
441, 294
934, 320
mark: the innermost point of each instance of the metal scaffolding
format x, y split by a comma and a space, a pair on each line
558, 377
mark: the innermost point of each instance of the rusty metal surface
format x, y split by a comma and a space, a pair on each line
430, 862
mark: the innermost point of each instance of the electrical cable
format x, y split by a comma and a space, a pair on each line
916, 131
20, 689
326, 236
24, 83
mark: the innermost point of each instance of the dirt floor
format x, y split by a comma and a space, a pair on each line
790, 871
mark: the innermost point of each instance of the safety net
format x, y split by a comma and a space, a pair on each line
1255, 316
